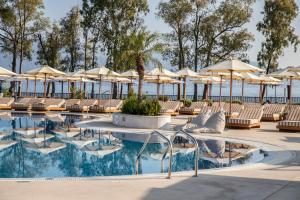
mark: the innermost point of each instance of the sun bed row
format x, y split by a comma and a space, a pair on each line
72, 105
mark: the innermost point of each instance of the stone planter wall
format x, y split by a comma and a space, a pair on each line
140, 121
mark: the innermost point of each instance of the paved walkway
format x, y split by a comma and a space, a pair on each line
280, 181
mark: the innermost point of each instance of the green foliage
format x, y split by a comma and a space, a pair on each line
235, 102
187, 103
163, 98
70, 37
208, 101
148, 107
6, 92
277, 28
76, 94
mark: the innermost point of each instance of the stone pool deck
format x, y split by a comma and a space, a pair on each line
265, 181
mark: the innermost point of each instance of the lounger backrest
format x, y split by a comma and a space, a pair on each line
293, 115
251, 113
235, 107
102, 102
113, 103
55, 102
88, 102
36, 101
23, 100
274, 108
198, 104
252, 105
6, 101
170, 105
70, 102
217, 104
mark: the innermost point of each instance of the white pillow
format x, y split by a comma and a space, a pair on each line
201, 119
216, 123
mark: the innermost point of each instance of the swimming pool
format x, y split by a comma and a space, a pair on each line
49, 146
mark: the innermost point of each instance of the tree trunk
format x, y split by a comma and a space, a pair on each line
53, 89
205, 92
93, 90
264, 86
121, 91
141, 71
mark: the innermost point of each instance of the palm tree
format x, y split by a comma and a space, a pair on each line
142, 46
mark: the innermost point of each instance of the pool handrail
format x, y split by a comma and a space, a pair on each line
169, 149
194, 140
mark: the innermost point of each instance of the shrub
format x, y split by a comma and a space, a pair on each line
235, 101
163, 98
6, 92
148, 107
187, 103
208, 101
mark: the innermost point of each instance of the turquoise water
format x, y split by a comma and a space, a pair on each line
88, 153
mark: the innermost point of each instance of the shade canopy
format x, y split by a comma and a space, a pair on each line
161, 72
286, 74
130, 74
294, 69
45, 70
186, 72
161, 80
6, 72
20, 77
232, 65
98, 71
117, 79
208, 80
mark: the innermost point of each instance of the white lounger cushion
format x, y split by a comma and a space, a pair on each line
201, 119
215, 124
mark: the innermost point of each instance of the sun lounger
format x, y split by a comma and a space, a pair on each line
273, 112
107, 106
71, 102
83, 106
292, 121
235, 109
50, 105
248, 118
194, 109
25, 104
5, 103
251, 105
217, 104
170, 107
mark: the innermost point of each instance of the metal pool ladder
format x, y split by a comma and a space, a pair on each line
168, 149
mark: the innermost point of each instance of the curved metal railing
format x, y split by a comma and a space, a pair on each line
169, 149
193, 139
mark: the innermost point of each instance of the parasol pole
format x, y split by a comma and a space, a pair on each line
27, 86
80, 88
230, 95
260, 92
290, 99
100, 80
158, 87
220, 95
243, 84
62, 89
69, 88
45, 85
35, 86
184, 87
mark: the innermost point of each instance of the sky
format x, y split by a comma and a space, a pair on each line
290, 58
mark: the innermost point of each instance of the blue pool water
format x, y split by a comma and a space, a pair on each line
50, 146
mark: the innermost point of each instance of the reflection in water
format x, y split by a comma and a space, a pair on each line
44, 148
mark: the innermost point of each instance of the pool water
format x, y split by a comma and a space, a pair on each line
43, 146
